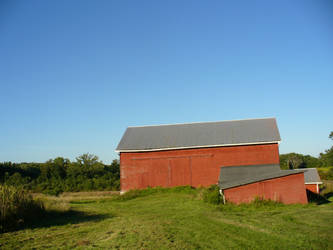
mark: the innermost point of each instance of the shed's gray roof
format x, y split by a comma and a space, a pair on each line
241, 175
310, 175
197, 135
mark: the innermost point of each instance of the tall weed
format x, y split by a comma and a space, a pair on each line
17, 207
212, 195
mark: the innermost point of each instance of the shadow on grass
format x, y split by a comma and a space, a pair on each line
317, 198
328, 195
83, 202
59, 218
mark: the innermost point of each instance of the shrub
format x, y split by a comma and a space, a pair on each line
16, 207
132, 194
212, 195
257, 204
260, 202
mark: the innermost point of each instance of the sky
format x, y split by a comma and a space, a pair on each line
74, 74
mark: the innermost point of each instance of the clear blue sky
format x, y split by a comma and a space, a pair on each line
75, 74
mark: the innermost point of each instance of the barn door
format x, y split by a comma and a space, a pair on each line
159, 172
180, 172
203, 173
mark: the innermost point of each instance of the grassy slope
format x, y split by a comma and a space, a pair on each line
177, 220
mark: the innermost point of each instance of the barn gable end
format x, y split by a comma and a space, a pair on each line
192, 154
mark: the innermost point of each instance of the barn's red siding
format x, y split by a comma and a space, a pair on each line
288, 189
312, 188
193, 167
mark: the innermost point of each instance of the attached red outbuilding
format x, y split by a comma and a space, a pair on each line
242, 184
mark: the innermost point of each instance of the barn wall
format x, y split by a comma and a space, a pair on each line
288, 189
312, 188
193, 167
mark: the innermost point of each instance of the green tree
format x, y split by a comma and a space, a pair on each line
294, 160
87, 159
291, 161
327, 156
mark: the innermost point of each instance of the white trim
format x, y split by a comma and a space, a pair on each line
223, 196
189, 147
309, 183
186, 123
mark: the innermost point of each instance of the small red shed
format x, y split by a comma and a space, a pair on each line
311, 179
192, 153
242, 184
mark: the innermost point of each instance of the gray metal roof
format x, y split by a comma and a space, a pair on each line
198, 135
241, 175
310, 175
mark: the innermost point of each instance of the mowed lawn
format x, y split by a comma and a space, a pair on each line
173, 220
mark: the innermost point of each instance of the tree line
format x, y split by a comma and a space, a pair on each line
294, 160
61, 175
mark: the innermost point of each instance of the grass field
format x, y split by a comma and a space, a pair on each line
178, 220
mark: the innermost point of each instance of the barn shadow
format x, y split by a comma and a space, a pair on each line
328, 195
317, 198
59, 218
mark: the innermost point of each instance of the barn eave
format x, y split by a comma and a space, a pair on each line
193, 147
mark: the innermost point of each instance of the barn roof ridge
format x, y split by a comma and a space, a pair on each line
189, 123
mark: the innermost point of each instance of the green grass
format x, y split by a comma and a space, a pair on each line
327, 188
325, 168
326, 173
178, 219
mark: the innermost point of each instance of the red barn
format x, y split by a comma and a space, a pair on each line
192, 153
